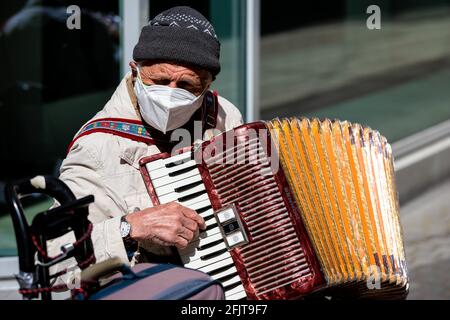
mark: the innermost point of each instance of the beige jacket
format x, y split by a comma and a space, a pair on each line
107, 166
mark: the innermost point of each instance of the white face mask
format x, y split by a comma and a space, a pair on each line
163, 107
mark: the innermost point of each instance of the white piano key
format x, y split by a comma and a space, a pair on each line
169, 188
234, 280
154, 165
190, 202
164, 171
177, 195
200, 205
217, 265
178, 157
157, 183
235, 290
207, 213
228, 272
196, 254
210, 232
210, 222
198, 263
236, 295
202, 241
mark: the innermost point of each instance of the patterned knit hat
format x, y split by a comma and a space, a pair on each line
181, 35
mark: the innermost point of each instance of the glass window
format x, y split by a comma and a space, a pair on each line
320, 59
54, 78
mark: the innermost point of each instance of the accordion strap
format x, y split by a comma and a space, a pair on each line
126, 128
137, 131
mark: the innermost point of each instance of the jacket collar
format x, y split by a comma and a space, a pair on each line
123, 104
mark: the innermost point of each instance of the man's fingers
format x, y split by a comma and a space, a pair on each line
187, 234
191, 214
189, 224
181, 243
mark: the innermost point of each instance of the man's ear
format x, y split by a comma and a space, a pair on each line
133, 67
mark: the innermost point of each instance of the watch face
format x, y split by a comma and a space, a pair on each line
124, 229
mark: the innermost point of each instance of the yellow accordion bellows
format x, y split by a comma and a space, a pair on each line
343, 180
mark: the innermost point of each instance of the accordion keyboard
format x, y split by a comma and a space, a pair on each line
178, 179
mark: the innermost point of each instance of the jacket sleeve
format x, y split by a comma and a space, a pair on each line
82, 172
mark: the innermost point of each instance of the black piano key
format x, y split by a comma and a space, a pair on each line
232, 286
227, 277
178, 172
208, 217
188, 186
203, 209
221, 269
177, 163
209, 245
214, 254
191, 196
211, 226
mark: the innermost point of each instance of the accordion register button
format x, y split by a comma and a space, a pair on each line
225, 215
230, 227
235, 238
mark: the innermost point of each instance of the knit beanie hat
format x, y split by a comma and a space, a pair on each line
181, 35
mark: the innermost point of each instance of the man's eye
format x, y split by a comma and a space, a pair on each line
162, 82
186, 85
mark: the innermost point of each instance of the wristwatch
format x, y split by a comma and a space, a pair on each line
125, 232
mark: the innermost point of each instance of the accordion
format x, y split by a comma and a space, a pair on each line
294, 208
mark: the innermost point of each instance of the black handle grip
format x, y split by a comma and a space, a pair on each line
47, 185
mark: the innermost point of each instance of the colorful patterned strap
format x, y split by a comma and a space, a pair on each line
127, 128
135, 130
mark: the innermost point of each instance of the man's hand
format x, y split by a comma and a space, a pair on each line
168, 224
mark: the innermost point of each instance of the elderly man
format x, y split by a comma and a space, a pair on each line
175, 62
